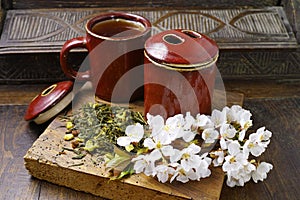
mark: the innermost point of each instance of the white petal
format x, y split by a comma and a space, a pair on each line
148, 142
264, 167
201, 120
176, 156
156, 124
192, 175
182, 178
194, 149
164, 138
135, 132
223, 144
174, 176
188, 136
185, 165
257, 150
242, 135
189, 121
234, 148
139, 166
123, 141
194, 161
218, 117
150, 169
230, 183
155, 155
168, 150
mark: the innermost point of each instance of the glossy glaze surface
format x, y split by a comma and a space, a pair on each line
111, 59
48, 98
179, 73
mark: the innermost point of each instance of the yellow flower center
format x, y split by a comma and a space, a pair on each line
232, 160
181, 171
158, 145
207, 134
186, 156
250, 145
166, 128
261, 138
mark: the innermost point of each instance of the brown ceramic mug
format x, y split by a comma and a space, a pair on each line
115, 43
179, 73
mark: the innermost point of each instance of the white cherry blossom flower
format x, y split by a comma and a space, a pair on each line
261, 171
134, 134
264, 136
244, 119
160, 149
203, 122
183, 176
187, 133
156, 123
218, 117
202, 171
209, 135
258, 141
236, 158
232, 113
168, 162
218, 157
240, 176
143, 163
188, 157
163, 172
174, 126
254, 145
227, 132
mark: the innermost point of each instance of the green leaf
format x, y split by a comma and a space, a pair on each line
128, 172
120, 152
118, 163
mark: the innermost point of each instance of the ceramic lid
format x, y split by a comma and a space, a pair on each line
181, 49
48, 98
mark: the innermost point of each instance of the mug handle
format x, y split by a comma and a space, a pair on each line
79, 42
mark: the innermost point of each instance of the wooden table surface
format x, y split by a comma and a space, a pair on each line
275, 105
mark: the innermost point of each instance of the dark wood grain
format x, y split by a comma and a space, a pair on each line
16, 136
278, 113
292, 10
254, 43
282, 117
19, 4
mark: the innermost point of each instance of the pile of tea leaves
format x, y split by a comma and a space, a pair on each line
96, 126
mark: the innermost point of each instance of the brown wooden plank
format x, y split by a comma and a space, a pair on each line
280, 114
15, 138
23, 94
265, 89
282, 117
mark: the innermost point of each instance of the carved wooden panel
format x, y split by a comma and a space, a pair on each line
30, 4
260, 64
251, 40
47, 30
292, 9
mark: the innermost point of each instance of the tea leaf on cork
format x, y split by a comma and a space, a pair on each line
99, 125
